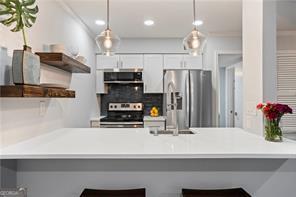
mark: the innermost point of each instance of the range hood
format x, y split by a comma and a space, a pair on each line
125, 70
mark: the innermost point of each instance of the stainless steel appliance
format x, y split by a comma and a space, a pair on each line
123, 76
124, 115
193, 90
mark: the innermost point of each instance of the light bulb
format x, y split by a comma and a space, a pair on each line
195, 43
107, 43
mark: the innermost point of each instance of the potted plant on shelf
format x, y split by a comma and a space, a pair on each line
21, 14
273, 112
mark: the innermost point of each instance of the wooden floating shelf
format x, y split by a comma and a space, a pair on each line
34, 91
64, 62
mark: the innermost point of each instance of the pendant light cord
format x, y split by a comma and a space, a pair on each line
108, 7
194, 14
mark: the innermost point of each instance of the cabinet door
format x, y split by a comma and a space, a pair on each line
100, 86
107, 62
131, 61
159, 125
153, 74
193, 62
173, 62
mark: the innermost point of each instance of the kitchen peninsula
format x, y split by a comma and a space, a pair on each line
62, 162
100, 143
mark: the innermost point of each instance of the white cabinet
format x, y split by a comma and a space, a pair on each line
182, 62
157, 123
131, 61
100, 86
193, 62
120, 62
107, 62
153, 74
173, 61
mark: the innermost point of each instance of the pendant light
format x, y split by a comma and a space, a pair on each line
194, 41
107, 41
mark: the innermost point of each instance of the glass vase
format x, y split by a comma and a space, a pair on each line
273, 130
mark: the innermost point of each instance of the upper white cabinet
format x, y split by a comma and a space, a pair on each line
153, 74
131, 61
100, 86
182, 62
107, 62
193, 62
173, 61
120, 62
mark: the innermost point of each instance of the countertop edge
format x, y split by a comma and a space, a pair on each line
151, 156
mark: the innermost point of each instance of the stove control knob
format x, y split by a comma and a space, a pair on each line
111, 106
115, 106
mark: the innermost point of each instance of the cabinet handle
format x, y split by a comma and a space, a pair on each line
185, 64
117, 64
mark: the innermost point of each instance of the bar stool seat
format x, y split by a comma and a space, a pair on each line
114, 193
235, 192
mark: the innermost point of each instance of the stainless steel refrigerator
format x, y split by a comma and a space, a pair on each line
194, 97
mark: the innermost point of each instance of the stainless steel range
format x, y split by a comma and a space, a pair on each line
124, 115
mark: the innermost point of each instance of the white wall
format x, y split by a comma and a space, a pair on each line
20, 117
259, 60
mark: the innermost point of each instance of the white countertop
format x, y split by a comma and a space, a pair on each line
97, 143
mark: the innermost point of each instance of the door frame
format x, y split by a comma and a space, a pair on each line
229, 87
215, 83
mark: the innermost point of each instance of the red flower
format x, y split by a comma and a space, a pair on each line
273, 111
260, 106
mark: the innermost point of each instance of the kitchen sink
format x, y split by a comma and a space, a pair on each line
169, 132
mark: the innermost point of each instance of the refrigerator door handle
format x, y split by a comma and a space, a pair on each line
187, 92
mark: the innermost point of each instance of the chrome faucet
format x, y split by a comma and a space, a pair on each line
172, 88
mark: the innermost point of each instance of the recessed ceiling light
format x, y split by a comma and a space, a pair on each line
100, 22
149, 22
198, 23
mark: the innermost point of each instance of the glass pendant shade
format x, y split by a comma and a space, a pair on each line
194, 42
107, 42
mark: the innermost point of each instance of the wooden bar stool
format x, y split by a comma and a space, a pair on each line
114, 193
235, 192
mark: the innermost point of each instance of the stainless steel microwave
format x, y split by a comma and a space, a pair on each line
123, 77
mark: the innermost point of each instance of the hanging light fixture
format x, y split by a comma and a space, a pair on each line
194, 41
107, 41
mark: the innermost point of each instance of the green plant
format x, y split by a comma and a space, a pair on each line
21, 13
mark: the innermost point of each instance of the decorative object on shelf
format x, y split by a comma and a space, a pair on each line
194, 42
154, 112
81, 59
25, 64
57, 48
107, 41
273, 112
74, 51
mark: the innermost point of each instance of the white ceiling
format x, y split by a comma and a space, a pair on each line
172, 18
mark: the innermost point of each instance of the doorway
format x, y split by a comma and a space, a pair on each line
231, 90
